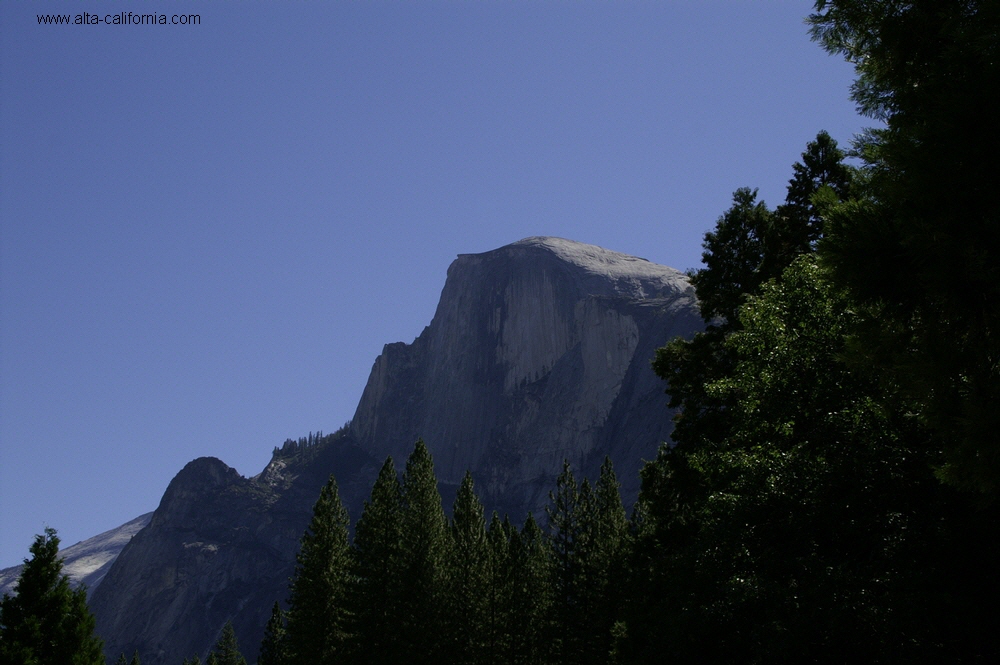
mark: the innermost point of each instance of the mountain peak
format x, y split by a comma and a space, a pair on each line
531, 348
599, 271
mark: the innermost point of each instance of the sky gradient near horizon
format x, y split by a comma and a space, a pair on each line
208, 232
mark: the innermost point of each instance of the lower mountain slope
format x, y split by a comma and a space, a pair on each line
220, 547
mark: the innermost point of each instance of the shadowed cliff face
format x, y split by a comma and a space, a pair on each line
539, 351
220, 547
208, 551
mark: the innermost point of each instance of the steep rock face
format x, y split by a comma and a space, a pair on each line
539, 351
220, 547
203, 549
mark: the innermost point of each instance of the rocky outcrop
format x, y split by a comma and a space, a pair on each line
220, 547
538, 352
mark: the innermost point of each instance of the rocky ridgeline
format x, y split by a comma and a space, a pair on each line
538, 352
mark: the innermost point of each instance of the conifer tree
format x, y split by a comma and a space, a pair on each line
425, 555
604, 562
749, 246
499, 629
46, 622
734, 257
317, 616
226, 650
531, 564
587, 590
376, 589
273, 649
920, 248
821, 176
468, 577
569, 543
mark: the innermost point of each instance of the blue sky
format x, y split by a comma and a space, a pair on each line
208, 232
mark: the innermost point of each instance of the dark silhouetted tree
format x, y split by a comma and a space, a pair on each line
569, 542
604, 563
919, 247
273, 648
46, 622
425, 545
532, 594
468, 577
377, 587
227, 649
317, 607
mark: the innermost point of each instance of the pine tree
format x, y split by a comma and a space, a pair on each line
586, 589
734, 257
467, 577
499, 608
376, 589
531, 604
273, 648
227, 649
820, 179
425, 556
46, 622
317, 614
749, 246
135, 659
603, 563
569, 543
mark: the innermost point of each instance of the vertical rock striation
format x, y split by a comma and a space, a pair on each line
539, 351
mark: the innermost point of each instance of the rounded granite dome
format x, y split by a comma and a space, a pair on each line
601, 271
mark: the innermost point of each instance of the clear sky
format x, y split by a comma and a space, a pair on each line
209, 231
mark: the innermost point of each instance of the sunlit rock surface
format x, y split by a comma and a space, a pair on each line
538, 352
